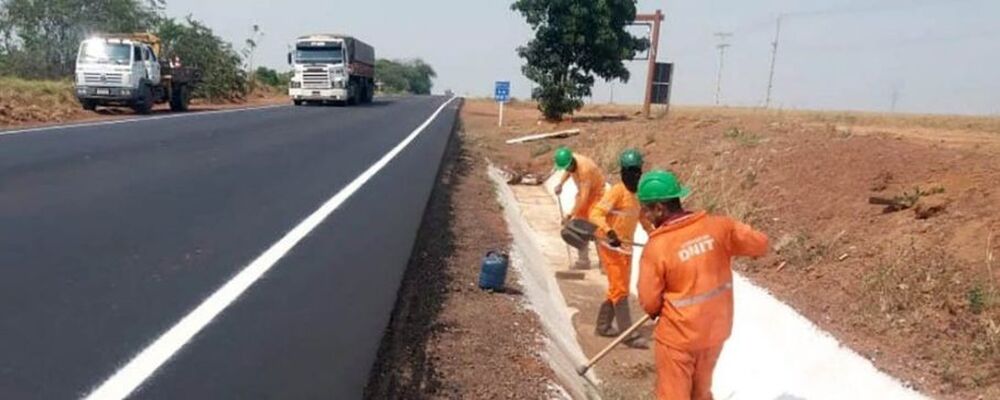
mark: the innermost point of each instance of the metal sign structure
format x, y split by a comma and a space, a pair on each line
662, 83
501, 93
655, 19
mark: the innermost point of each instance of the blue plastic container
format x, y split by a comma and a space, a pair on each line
494, 271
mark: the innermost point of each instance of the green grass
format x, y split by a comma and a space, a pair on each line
39, 92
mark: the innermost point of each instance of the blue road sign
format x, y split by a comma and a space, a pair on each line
501, 92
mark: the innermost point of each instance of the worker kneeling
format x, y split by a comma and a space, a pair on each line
686, 281
616, 216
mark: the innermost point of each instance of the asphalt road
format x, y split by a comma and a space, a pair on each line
111, 234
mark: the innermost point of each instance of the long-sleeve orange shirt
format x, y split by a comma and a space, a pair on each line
618, 210
685, 277
589, 182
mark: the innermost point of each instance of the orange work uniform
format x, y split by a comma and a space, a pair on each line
685, 278
589, 182
618, 210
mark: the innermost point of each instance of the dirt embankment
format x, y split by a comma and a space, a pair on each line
31, 103
915, 290
447, 338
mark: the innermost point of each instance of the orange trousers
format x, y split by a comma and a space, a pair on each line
618, 266
685, 375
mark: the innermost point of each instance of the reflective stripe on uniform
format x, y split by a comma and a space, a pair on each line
701, 298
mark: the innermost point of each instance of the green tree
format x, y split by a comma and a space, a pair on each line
40, 37
411, 76
574, 41
198, 46
271, 77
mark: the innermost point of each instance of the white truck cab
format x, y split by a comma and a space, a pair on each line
110, 70
332, 68
125, 70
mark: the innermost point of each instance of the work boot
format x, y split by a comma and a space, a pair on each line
605, 316
624, 317
583, 258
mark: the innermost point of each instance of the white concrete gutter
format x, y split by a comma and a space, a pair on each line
562, 350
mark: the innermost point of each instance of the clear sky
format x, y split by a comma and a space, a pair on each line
940, 56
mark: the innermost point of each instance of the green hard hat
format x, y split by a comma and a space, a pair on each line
659, 185
630, 158
564, 157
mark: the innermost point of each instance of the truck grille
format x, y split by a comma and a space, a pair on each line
94, 78
315, 80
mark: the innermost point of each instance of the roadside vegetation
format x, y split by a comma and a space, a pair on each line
404, 76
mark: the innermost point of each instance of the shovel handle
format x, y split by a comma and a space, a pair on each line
621, 338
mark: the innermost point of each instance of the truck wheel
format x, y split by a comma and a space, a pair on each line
297, 102
180, 99
144, 104
89, 105
352, 95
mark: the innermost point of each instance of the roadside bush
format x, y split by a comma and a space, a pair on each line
198, 46
404, 76
272, 77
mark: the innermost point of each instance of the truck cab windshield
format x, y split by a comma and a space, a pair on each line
97, 52
319, 55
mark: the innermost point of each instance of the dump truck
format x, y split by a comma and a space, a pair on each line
125, 70
332, 68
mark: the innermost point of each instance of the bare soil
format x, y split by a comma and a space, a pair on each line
915, 291
447, 338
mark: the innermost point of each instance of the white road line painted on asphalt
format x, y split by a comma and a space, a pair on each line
136, 119
142, 366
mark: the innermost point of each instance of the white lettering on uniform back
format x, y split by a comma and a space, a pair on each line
696, 248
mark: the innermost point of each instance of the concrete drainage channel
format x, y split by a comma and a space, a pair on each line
774, 352
562, 350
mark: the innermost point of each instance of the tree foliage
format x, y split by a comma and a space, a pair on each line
197, 46
574, 41
273, 78
405, 76
39, 38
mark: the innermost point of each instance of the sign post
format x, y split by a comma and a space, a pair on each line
501, 93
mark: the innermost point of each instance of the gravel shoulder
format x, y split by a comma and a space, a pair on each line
447, 338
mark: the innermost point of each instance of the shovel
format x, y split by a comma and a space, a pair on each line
582, 370
579, 231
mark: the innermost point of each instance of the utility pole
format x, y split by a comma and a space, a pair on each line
774, 55
722, 60
893, 97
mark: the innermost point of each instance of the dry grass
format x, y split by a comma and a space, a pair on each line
911, 286
36, 101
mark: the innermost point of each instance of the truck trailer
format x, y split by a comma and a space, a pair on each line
332, 68
126, 70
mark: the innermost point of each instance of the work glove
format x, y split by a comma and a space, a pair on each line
613, 239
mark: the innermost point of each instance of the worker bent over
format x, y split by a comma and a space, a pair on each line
685, 280
616, 217
590, 187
